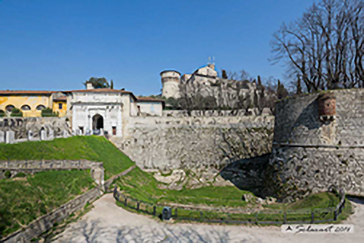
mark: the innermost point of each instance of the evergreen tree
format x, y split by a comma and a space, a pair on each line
281, 90
111, 84
259, 82
299, 88
224, 75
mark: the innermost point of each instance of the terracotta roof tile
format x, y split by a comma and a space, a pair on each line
26, 92
106, 90
149, 99
62, 98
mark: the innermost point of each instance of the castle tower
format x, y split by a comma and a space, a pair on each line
170, 83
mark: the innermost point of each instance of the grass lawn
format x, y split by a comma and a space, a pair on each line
92, 148
144, 187
24, 199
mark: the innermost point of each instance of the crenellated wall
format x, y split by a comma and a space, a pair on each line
310, 154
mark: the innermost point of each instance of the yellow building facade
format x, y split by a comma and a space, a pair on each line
31, 103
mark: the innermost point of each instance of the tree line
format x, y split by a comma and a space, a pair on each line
324, 48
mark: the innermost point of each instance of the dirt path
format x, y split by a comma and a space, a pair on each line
107, 222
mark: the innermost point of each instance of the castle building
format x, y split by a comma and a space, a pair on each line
206, 75
172, 79
170, 83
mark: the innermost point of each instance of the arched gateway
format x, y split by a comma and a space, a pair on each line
97, 122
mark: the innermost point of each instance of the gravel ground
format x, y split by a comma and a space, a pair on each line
107, 222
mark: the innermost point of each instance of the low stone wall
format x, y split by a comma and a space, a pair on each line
111, 180
33, 166
47, 221
215, 113
195, 142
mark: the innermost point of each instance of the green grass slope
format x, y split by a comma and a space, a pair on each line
144, 187
92, 148
22, 200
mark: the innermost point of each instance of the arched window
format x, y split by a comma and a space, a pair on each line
9, 108
25, 108
40, 107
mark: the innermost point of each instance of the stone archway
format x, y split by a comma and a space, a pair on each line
97, 122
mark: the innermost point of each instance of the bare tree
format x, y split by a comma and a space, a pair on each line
325, 47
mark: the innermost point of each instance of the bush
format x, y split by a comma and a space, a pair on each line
7, 174
20, 174
2, 113
16, 113
48, 112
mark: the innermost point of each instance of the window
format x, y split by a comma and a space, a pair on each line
113, 130
9, 108
40, 107
25, 108
60, 105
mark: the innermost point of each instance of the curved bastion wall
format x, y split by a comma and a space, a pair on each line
312, 150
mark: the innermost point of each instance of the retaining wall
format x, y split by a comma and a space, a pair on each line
195, 142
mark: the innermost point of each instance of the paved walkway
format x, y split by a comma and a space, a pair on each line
107, 222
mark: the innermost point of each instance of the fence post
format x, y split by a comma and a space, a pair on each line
201, 218
126, 201
137, 206
312, 217
285, 217
154, 210
335, 215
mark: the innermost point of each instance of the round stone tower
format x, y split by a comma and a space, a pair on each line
170, 83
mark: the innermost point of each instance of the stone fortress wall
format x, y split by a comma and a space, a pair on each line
195, 142
310, 154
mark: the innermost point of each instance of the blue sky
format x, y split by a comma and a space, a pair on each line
57, 45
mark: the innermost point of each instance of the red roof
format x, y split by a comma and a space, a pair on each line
62, 98
148, 99
103, 90
26, 92
37, 92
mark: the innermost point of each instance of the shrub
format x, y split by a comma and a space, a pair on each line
48, 112
2, 113
7, 174
16, 113
20, 174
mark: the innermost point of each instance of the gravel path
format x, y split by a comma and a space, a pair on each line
107, 222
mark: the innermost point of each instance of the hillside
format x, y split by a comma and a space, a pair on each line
27, 197
92, 148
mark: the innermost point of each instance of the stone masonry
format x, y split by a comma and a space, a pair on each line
310, 154
195, 142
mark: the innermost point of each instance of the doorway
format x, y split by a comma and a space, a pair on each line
97, 122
